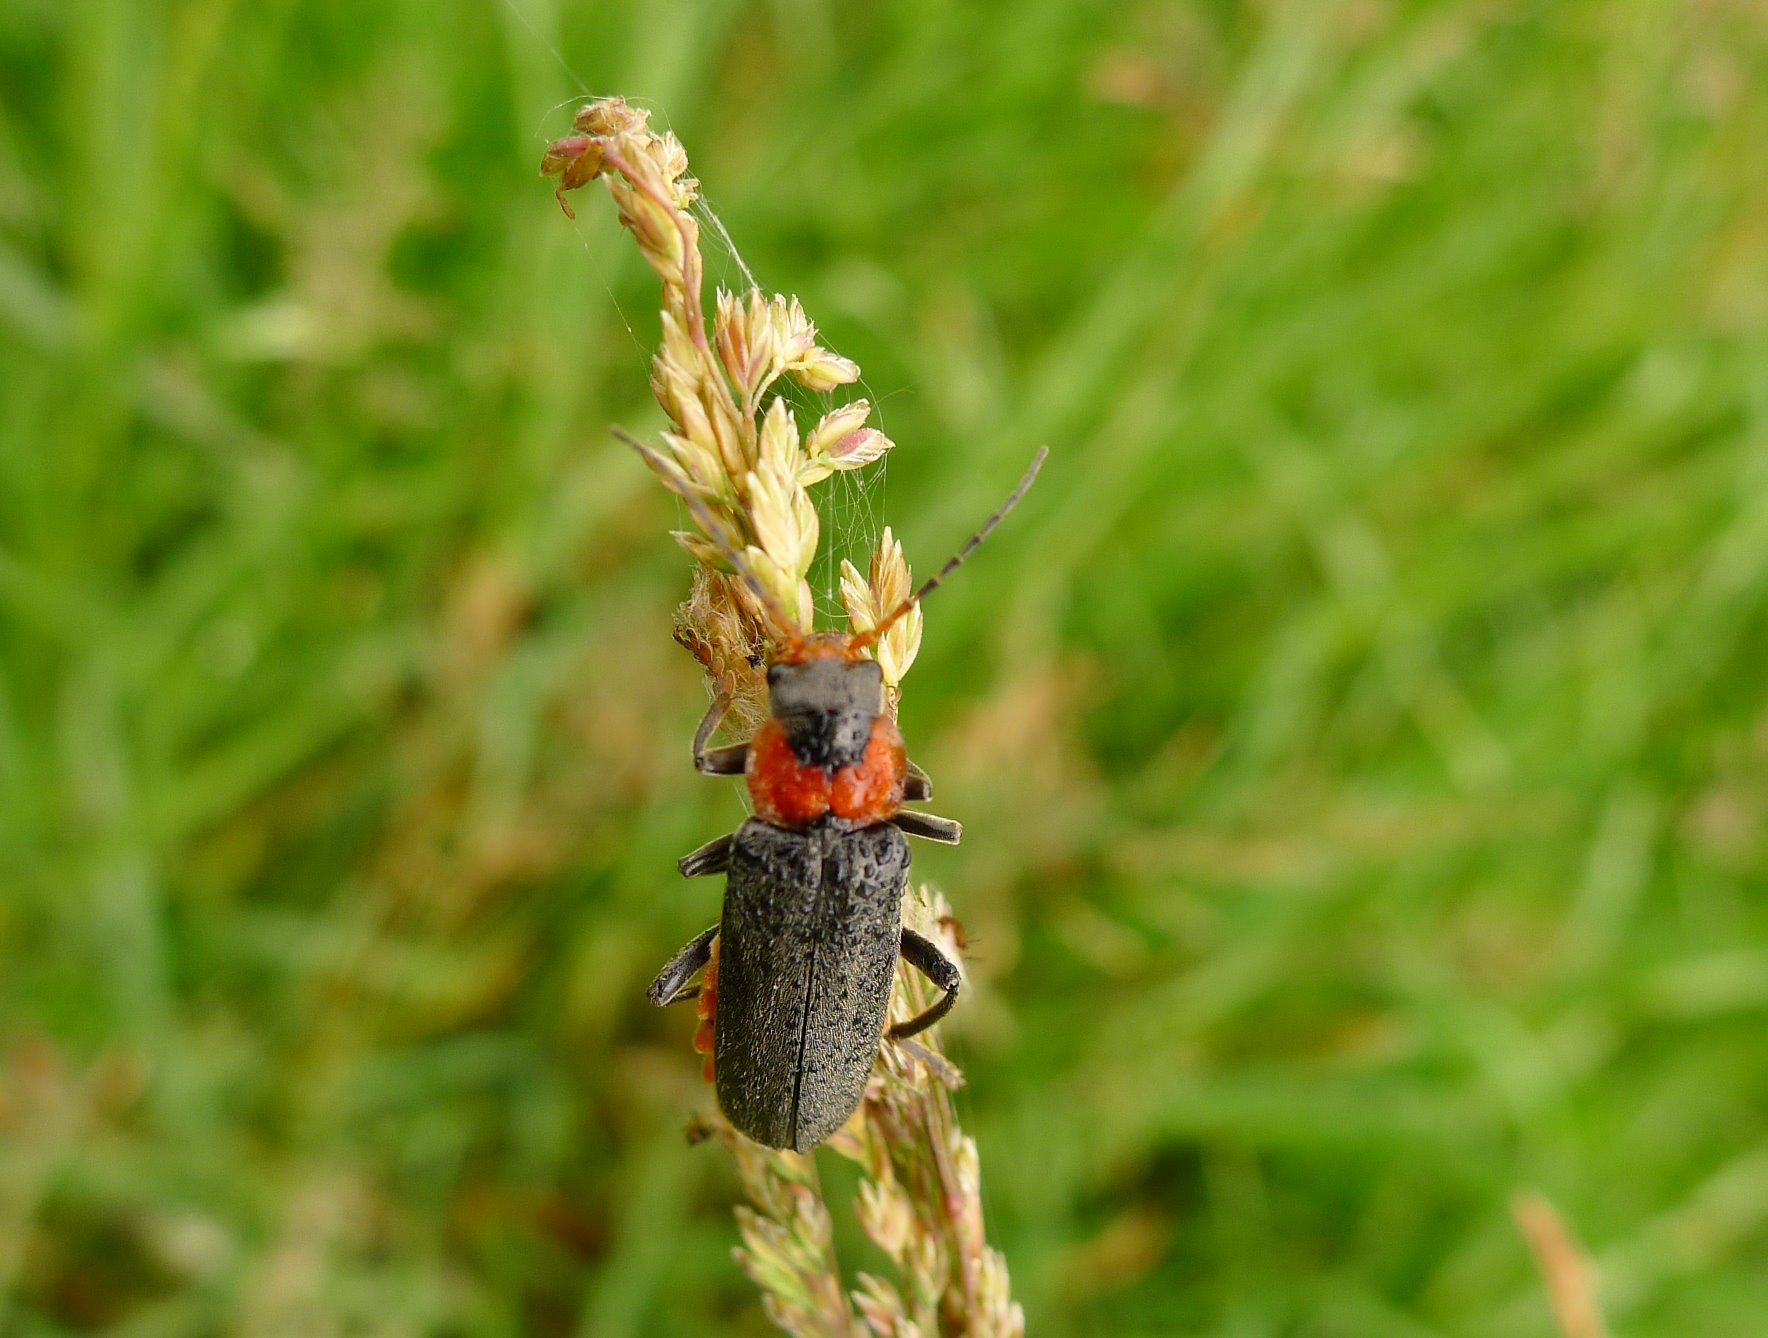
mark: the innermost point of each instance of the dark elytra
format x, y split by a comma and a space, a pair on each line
808, 943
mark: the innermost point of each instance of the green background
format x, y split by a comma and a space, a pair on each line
1360, 732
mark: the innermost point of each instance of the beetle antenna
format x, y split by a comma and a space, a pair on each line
714, 532
933, 582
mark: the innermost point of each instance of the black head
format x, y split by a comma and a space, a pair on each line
826, 686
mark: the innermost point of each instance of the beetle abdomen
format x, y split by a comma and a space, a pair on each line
807, 945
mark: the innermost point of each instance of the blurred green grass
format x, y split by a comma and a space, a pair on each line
1360, 732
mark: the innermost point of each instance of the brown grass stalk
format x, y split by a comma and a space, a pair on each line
1566, 1271
735, 452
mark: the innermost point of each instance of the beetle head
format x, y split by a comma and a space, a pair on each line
824, 676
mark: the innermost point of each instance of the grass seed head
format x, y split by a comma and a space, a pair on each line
734, 448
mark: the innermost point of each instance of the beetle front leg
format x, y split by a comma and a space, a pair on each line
727, 761
917, 786
924, 955
929, 826
671, 985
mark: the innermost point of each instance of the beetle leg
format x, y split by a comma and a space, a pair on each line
727, 761
713, 857
917, 788
731, 760
925, 956
671, 984
929, 826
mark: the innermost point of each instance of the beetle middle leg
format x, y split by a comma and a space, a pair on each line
726, 761
671, 985
929, 826
925, 956
713, 857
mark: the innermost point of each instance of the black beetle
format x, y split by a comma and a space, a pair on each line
805, 948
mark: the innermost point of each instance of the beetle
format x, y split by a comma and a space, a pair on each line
799, 966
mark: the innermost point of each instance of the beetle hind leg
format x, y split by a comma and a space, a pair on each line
925, 956
671, 985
